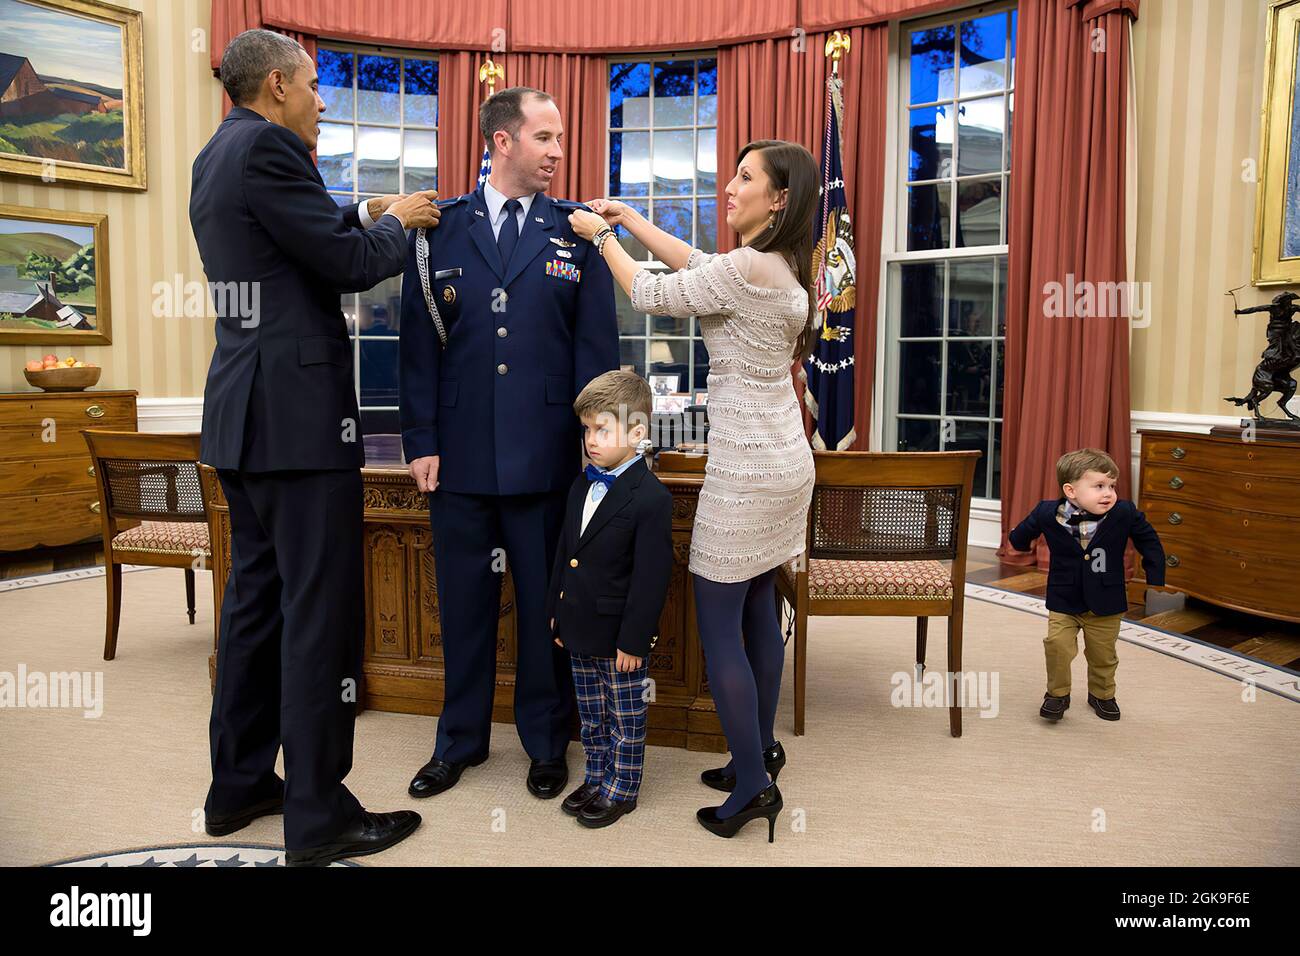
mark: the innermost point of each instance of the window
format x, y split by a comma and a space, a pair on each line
663, 160
378, 135
946, 277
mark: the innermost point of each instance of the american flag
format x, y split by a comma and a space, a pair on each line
484, 166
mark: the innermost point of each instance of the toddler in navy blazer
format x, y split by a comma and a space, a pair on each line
1087, 532
607, 591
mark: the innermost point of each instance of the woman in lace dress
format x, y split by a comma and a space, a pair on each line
756, 319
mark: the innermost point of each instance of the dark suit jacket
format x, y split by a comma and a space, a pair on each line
609, 584
497, 403
1081, 580
280, 389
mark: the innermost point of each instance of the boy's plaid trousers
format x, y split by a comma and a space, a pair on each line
612, 707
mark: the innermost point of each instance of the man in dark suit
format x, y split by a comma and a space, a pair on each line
527, 310
281, 425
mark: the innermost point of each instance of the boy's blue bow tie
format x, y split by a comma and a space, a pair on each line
595, 474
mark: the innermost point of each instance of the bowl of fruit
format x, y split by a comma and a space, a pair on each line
54, 374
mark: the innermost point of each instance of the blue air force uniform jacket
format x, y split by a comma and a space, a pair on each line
523, 338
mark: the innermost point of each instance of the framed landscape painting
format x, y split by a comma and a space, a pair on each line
53, 277
72, 92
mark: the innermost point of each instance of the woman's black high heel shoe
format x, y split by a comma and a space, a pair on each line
719, 779
768, 804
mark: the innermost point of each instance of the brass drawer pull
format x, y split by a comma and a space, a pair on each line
1172, 561
90, 470
1175, 518
1179, 453
94, 507
95, 411
1175, 482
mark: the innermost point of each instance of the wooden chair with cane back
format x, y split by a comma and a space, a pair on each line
880, 528
153, 508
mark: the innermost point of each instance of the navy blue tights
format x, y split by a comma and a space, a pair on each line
744, 672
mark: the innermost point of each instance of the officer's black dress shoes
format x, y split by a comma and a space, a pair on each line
1106, 709
1054, 708
575, 801
224, 826
439, 775
372, 833
602, 811
547, 778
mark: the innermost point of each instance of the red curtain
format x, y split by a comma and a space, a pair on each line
1067, 378
776, 89
416, 24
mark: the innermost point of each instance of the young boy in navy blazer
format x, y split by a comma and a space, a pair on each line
607, 591
1087, 532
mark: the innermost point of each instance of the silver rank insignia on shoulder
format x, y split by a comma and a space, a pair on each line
563, 243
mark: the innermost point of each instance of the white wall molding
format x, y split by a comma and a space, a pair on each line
170, 414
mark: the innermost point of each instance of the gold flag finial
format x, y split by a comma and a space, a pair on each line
489, 73
837, 44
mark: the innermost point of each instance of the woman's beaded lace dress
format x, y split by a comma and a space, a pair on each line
758, 484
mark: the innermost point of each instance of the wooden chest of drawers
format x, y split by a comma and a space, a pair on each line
47, 487
1228, 513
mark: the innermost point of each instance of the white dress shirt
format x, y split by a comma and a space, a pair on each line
592, 501
363, 213
496, 205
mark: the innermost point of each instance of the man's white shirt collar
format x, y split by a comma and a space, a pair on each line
496, 201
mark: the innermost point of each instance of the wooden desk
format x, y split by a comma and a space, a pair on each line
403, 654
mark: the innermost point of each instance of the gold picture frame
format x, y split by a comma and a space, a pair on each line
64, 99
33, 311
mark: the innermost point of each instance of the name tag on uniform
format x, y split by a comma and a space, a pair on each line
447, 274
564, 270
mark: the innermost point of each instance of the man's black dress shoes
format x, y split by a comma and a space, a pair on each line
371, 833
575, 801
602, 811
547, 778
224, 826
439, 775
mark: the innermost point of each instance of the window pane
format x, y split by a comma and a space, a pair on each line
918, 377
932, 65
1002, 294
706, 226
420, 103
671, 356
334, 72
380, 309
706, 162
969, 371
674, 217
927, 216
708, 91
918, 434
632, 352
420, 160
342, 199
632, 244
674, 162
377, 158
970, 297
979, 135
974, 436
377, 89
629, 164
983, 54
1013, 46
999, 349
921, 299
334, 156
674, 93
378, 371
979, 216
629, 94
996, 463
630, 321
931, 143
1011, 113
700, 371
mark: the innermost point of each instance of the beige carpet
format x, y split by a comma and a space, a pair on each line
1192, 775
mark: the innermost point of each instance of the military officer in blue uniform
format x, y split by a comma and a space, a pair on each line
506, 315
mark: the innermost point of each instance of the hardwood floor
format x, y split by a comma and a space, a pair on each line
1277, 642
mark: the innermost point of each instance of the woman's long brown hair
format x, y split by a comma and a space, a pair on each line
790, 166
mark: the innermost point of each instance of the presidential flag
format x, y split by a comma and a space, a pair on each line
828, 373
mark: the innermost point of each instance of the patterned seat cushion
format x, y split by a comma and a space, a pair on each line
165, 537
875, 580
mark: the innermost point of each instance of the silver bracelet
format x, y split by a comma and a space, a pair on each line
600, 238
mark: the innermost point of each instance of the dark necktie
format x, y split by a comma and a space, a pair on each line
508, 237
1079, 516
